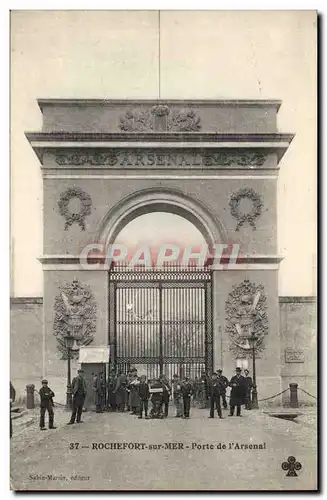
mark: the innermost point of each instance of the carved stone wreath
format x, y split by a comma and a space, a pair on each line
243, 217
246, 313
70, 217
160, 117
75, 315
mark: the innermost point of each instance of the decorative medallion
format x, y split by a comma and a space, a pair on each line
243, 217
75, 315
71, 217
160, 118
246, 314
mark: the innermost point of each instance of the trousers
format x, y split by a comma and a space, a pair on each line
215, 402
144, 406
43, 411
238, 410
186, 405
178, 406
78, 402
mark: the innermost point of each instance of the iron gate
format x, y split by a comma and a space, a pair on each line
161, 321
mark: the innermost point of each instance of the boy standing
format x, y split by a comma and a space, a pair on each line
46, 395
144, 394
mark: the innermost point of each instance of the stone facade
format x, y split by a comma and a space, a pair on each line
104, 163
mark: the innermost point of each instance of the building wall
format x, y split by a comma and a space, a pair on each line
297, 332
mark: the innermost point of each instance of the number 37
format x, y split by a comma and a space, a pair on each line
73, 446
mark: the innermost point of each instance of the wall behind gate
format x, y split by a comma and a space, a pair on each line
297, 328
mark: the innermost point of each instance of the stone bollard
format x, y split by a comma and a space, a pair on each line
294, 403
30, 404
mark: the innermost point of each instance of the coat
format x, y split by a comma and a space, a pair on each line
216, 388
46, 395
134, 397
237, 395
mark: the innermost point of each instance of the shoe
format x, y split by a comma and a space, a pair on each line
53, 427
43, 428
221, 417
211, 417
140, 417
70, 423
230, 415
238, 415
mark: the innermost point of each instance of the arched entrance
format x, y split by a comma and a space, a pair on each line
161, 318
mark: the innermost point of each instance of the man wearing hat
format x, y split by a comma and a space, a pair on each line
79, 393
46, 404
237, 395
225, 383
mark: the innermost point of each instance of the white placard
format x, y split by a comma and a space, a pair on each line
94, 354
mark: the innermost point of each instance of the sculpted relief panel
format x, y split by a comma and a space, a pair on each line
246, 313
75, 315
77, 217
160, 118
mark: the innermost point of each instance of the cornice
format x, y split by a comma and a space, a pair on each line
307, 299
274, 103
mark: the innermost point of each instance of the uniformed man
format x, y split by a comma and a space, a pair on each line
203, 390
46, 405
248, 388
121, 391
225, 383
112, 380
79, 393
216, 389
134, 397
187, 390
237, 395
166, 393
177, 396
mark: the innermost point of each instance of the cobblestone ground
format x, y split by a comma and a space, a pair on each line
200, 463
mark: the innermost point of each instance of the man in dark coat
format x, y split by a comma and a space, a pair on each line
216, 389
156, 391
225, 382
248, 388
112, 380
121, 391
203, 389
79, 393
46, 404
187, 391
237, 395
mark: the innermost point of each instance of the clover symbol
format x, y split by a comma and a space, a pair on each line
291, 466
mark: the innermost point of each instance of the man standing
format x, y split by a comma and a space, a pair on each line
134, 397
111, 390
203, 389
99, 390
248, 388
237, 395
216, 389
46, 404
144, 394
186, 389
79, 393
225, 383
177, 396
121, 391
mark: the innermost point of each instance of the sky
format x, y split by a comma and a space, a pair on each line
203, 54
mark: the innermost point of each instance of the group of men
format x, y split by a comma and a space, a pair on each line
133, 393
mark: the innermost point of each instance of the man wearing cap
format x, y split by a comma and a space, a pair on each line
216, 388
46, 404
237, 395
225, 383
79, 393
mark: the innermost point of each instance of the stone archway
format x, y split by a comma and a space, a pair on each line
161, 200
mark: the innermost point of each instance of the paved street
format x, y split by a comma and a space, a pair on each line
195, 465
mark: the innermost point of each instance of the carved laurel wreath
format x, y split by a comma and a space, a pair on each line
242, 217
70, 217
144, 120
253, 296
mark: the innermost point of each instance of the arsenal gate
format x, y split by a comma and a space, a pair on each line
162, 321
